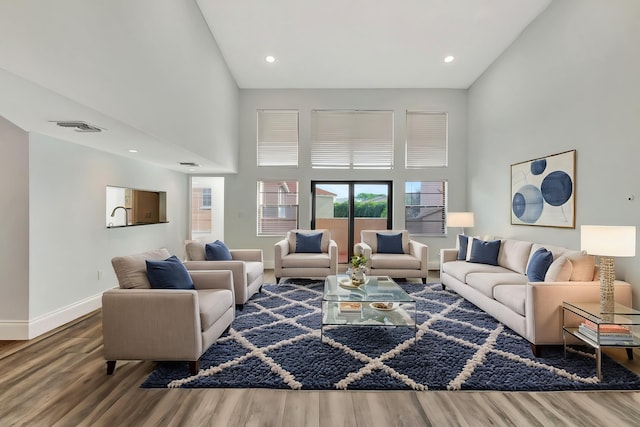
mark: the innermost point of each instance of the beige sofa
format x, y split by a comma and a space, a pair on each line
290, 263
247, 266
411, 263
140, 323
533, 310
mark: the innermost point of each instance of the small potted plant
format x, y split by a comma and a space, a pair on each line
358, 267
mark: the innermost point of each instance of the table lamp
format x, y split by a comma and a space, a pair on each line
607, 242
460, 219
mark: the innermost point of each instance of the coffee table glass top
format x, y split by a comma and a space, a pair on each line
376, 288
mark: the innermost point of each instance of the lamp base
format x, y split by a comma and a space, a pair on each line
607, 279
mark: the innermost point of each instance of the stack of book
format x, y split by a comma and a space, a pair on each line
609, 334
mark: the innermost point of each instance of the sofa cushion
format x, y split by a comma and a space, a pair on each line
389, 243
463, 243
559, 270
309, 243
511, 296
370, 237
538, 265
324, 244
217, 251
486, 282
460, 269
306, 260
169, 273
131, 270
484, 252
395, 261
212, 303
514, 254
583, 268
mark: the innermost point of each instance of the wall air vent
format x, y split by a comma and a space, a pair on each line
79, 126
190, 164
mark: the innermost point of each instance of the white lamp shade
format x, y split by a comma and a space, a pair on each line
460, 219
608, 240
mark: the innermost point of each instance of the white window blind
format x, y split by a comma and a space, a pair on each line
352, 139
426, 139
425, 203
277, 207
277, 138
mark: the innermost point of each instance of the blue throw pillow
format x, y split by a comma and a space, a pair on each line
168, 274
309, 243
463, 241
217, 251
485, 252
538, 265
390, 243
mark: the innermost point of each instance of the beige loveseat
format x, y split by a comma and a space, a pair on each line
141, 323
290, 262
409, 262
247, 266
532, 309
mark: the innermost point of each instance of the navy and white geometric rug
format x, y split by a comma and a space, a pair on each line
275, 343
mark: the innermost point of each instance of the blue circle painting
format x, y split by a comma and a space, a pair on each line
556, 188
538, 166
527, 204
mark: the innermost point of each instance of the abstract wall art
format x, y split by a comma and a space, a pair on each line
543, 191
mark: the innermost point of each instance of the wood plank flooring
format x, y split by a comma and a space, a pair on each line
59, 379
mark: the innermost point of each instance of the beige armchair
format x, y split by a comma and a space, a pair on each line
247, 266
409, 260
289, 263
141, 323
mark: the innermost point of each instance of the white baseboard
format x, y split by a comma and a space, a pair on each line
26, 330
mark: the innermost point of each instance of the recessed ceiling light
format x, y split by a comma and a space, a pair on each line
448, 59
270, 59
133, 151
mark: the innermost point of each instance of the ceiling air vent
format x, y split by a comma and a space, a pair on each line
190, 164
79, 126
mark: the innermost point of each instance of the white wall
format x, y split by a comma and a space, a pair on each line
570, 81
68, 242
14, 226
240, 216
153, 65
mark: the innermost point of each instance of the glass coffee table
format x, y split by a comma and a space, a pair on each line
380, 301
618, 326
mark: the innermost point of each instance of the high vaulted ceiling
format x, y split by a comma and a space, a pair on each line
364, 43
151, 72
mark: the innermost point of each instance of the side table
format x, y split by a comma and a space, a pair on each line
601, 328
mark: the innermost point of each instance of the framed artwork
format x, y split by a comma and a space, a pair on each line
543, 191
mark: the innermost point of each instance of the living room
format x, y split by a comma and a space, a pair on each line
567, 82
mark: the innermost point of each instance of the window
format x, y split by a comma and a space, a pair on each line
352, 139
206, 198
426, 140
277, 138
425, 203
277, 207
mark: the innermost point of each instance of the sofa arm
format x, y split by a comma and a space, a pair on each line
543, 306
447, 255
155, 324
238, 268
212, 279
363, 249
247, 255
419, 250
281, 249
333, 257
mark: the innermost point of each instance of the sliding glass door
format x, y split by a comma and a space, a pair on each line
347, 207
